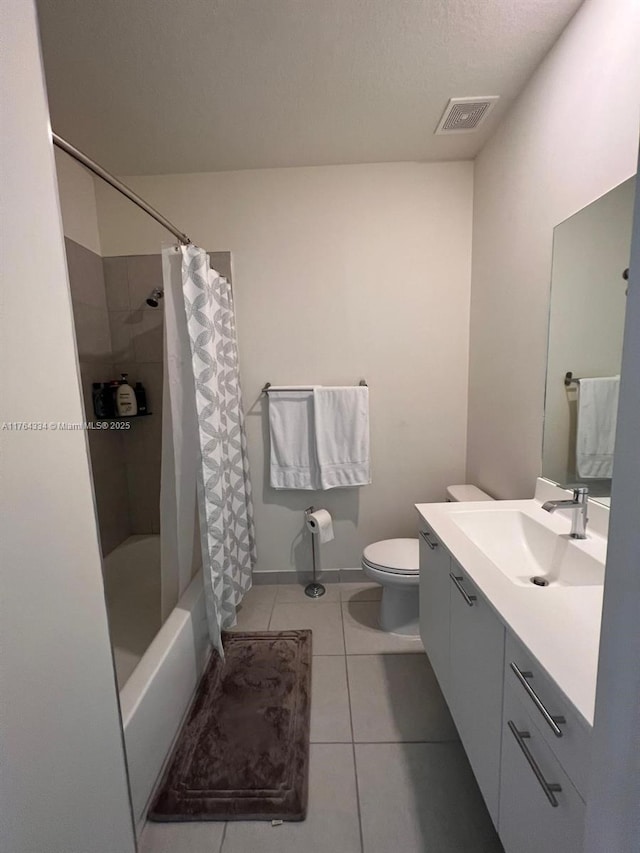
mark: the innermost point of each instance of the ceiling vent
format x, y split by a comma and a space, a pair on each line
464, 115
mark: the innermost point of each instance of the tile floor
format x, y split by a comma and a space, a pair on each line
387, 772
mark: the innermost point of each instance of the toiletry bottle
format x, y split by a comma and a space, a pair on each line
126, 399
141, 398
107, 400
97, 393
112, 404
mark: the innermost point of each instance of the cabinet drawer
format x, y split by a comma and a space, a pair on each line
430, 546
560, 725
540, 810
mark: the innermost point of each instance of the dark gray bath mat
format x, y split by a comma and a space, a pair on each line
243, 753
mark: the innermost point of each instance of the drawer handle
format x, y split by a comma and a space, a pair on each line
425, 535
551, 721
468, 598
549, 788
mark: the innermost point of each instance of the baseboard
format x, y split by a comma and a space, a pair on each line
353, 576
326, 576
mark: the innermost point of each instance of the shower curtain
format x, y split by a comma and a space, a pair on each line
204, 442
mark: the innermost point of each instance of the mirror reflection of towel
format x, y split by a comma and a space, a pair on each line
596, 434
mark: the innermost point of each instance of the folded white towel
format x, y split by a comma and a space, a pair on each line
342, 436
596, 433
293, 449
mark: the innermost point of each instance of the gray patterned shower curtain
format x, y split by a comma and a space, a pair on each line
207, 441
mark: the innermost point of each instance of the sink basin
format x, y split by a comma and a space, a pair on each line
523, 548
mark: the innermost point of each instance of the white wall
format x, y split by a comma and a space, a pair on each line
586, 317
571, 136
340, 273
76, 188
63, 785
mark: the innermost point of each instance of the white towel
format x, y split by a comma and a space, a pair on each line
596, 434
342, 436
293, 449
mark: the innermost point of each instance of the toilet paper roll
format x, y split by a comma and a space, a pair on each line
321, 525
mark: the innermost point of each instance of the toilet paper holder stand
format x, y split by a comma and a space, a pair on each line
314, 589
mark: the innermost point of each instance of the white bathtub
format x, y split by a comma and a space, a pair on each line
158, 667
132, 589
158, 693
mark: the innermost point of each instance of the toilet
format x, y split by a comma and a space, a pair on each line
395, 565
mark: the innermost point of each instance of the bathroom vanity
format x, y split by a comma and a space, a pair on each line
517, 661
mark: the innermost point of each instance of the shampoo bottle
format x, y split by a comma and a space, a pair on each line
126, 399
112, 388
108, 400
97, 393
141, 398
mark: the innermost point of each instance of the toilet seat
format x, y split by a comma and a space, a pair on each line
393, 556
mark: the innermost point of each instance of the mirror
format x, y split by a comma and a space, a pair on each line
591, 252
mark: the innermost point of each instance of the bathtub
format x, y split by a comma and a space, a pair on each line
132, 590
157, 693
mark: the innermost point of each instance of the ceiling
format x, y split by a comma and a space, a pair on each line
166, 86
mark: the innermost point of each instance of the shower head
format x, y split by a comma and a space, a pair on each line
156, 295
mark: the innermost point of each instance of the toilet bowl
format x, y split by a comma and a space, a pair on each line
394, 563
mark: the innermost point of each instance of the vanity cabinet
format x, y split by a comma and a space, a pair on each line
435, 565
540, 809
528, 746
477, 640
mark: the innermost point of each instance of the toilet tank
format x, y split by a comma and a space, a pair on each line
466, 493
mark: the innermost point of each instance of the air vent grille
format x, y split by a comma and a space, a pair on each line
464, 115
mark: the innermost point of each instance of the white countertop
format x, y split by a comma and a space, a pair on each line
560, 625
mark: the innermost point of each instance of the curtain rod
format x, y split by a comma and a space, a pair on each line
94, 167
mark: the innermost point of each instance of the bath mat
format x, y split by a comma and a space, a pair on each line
243, 753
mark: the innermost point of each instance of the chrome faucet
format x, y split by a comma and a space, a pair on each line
579, 504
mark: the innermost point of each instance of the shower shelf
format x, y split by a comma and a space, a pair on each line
123, 417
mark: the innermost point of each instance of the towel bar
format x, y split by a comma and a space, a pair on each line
269, 387
570, 379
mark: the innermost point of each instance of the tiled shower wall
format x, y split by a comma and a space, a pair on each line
117, 332
136, 344
107, 448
